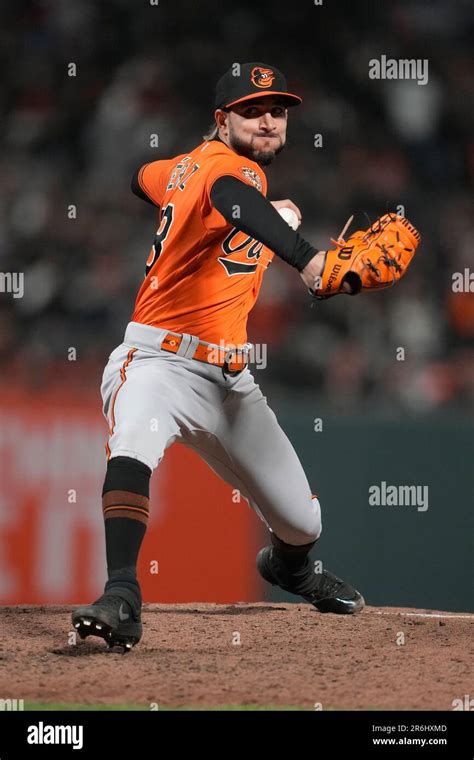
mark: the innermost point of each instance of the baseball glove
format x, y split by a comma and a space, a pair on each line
368, 260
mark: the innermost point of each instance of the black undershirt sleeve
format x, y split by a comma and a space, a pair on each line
258, 218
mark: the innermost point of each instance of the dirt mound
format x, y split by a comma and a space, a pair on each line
206, 655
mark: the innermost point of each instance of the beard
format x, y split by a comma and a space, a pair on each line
261, 157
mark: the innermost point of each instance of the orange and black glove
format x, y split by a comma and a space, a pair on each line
368, 260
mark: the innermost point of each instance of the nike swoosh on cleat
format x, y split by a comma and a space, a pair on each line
123, 615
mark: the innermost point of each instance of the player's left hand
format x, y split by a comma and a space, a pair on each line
368, 260
311, 274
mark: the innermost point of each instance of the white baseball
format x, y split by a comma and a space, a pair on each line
290, 217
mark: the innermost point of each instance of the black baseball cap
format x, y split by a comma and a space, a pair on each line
246, 81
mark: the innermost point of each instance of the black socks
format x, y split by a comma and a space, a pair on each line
123, 539
293, 557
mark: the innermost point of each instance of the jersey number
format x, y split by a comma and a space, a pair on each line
160, 237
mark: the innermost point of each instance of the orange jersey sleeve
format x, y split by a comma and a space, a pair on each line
153, 178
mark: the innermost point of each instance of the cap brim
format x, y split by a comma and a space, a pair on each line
291, 100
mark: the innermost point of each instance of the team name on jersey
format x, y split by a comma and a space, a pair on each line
230, 245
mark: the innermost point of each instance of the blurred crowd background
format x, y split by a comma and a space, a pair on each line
147, 69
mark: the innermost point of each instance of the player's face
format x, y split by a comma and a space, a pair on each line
257, 129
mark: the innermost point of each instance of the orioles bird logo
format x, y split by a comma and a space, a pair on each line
262, 77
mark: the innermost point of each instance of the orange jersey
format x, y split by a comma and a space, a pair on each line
203, 275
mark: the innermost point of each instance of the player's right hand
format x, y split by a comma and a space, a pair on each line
287, 204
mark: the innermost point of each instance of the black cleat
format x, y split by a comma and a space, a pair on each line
324, 590
114, 617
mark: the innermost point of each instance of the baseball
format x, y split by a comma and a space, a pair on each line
290, 217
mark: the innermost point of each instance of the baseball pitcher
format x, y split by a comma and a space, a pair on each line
184, 359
